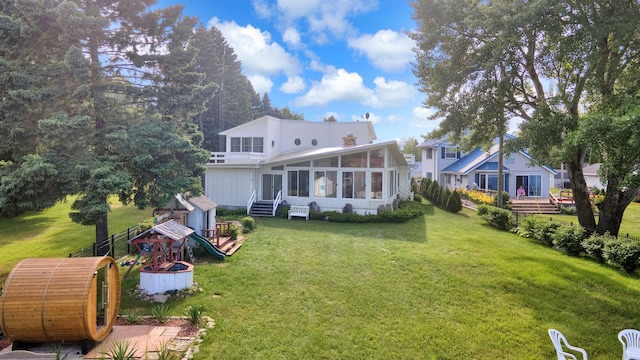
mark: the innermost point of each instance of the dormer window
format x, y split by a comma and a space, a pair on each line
247, 144
450, 153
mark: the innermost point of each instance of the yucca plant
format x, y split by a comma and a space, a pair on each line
133, 316
195, 313
165, 353
160, 312
121, 350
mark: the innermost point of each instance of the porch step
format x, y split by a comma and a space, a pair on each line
262, 209
534, 207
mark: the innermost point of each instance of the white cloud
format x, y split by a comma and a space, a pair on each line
262, 8
261, 57
261, 84
322, 18
390, 93
292, 37
294, 85
421, 118
337, 86
386, 50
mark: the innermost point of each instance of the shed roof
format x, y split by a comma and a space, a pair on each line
172, 230
203, 203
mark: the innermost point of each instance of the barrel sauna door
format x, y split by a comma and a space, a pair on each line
102, 291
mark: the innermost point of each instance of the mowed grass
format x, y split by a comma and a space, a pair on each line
51, 233
444, 286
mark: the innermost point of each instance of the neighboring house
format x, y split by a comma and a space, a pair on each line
444, 162
592, 176
269, 160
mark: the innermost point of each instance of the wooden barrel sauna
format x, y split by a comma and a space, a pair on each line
62, 299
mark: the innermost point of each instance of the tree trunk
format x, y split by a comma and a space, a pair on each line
102, 237
581, 193
613, 206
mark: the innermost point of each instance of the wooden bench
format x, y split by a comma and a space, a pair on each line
297, 210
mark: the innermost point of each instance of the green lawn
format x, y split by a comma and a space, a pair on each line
444, 286
440, 287
51, 233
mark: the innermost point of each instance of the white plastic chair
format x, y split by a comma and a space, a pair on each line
558, 339
630, 340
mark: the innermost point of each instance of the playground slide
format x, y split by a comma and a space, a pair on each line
212, 249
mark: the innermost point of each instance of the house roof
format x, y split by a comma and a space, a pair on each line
313, 153
591, 170
479, 160
335, 124
173, 230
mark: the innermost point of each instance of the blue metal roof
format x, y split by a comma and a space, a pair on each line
491, 166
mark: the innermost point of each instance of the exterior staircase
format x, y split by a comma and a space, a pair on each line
262, 208
534, 206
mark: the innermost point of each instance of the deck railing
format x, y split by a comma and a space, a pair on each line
251, 201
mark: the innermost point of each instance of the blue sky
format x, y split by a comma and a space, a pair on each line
343, 58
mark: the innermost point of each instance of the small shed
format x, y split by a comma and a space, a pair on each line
60, 299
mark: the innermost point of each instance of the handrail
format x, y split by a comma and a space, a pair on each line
251, 201
276, 202
407, 194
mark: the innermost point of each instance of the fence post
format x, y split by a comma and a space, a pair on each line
113, 246
128, 238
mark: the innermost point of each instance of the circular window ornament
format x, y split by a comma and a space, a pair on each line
314, 142
297, 141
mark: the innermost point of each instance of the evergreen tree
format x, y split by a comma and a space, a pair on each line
112, 114
454, 203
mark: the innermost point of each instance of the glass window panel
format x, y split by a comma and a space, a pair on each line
376, 159
301, 164
303, 183
358, 160
235, 144
258, 146
332, 184
319, 184
347, 185
376, 185
328, 162
292, 183
246, 144
360, 184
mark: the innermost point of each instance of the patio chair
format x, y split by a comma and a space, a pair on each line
630, 340
558, 340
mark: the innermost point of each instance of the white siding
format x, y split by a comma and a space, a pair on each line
229, 188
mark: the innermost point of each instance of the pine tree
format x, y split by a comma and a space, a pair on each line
454, 204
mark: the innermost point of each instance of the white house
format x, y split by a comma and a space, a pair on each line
269, 160
452, 168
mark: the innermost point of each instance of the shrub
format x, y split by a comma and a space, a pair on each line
417, 197
233, 232
568, 210
594, 245
569, 238
454, 203
160, 312
195, 313
506, 200
431, 191
444, 197
528, 227
544, 231
248, 224
622, 253
500, 218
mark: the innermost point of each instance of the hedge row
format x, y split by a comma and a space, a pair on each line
406, 211
440, 196
572, 239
